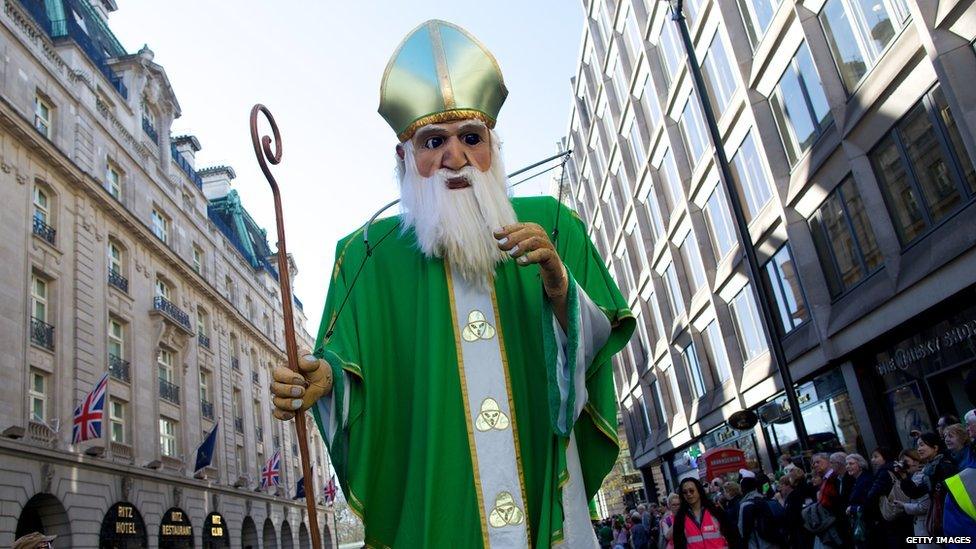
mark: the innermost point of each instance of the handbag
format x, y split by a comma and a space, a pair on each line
890, 511
860, 530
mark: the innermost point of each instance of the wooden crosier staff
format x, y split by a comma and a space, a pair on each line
264, 155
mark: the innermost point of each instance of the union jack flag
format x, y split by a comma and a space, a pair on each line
330, 490
89, 415
271, 473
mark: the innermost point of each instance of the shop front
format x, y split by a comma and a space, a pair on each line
916, 373
725, 437
828, 414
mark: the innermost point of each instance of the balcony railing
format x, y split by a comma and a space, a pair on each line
239, 424
206, 409
255, 378
185, 166
118, 368
259, 433
150, 130
119, 281
203, 340
44, 230
169, 391
235, 363
170, 309
42, 333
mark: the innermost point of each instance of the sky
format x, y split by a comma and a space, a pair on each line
317, 66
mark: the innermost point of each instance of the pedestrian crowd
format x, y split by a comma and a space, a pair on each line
928, 491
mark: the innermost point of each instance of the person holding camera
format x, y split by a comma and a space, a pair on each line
938, 466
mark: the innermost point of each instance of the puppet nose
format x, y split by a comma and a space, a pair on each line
454, 158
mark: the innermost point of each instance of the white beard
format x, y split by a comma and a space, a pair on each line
457, 224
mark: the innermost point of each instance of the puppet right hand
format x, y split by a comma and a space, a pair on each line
294, 391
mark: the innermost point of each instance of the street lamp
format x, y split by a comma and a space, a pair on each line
742, 228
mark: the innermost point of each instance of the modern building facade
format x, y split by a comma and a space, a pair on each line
120, 256
851, 132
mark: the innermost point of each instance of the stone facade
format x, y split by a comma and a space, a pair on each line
643, 176
115, 260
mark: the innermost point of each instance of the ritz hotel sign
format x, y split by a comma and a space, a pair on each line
902, 359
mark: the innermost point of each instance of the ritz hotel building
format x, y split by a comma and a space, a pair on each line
120, 256
850, 128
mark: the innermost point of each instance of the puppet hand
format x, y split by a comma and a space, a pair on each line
529, 244
293, 391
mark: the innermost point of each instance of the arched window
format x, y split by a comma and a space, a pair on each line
117, 272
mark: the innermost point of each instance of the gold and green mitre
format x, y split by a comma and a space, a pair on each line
440, 73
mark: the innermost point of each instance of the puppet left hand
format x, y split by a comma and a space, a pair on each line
529, 244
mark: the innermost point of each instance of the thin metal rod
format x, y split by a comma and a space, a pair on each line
742, 228
264, 154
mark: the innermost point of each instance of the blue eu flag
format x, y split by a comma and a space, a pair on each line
206, 450
300, 489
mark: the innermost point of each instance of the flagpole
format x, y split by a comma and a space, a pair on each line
264, 155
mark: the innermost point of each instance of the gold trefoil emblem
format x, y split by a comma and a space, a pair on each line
491, 417
505, 512
477, 327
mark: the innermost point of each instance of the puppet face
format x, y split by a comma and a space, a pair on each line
451, 146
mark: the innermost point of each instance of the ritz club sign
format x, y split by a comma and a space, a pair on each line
902, 359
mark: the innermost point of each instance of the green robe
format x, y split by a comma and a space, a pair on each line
399, 436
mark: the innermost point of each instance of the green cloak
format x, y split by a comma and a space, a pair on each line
399, 438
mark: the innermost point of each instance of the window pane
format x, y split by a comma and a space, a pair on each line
675, 300
942, 107
670, 49
784, 284
693, 263
719, 223
717, 73
637, 147
750, 177
715, 347
857, 32
757, 14
931, 168
693, 129
747, 323
693, 366
650, 102
844, 239
902, 199
672, 182
799, 105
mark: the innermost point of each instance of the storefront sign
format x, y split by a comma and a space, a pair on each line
902, 359
175, 529
215, 532
122, 523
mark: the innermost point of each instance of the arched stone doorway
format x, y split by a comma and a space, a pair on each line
304, 542
216, 534
269, 537
44, 513
326, 533
249, 534
123, 528
286, 540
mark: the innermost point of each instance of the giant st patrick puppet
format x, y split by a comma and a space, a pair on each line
462, 374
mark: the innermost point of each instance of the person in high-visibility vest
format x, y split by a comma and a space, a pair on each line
699, 523
959, 514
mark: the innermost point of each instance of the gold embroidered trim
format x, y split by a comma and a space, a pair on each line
511, 410
464, 398
452, 115
342, 254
